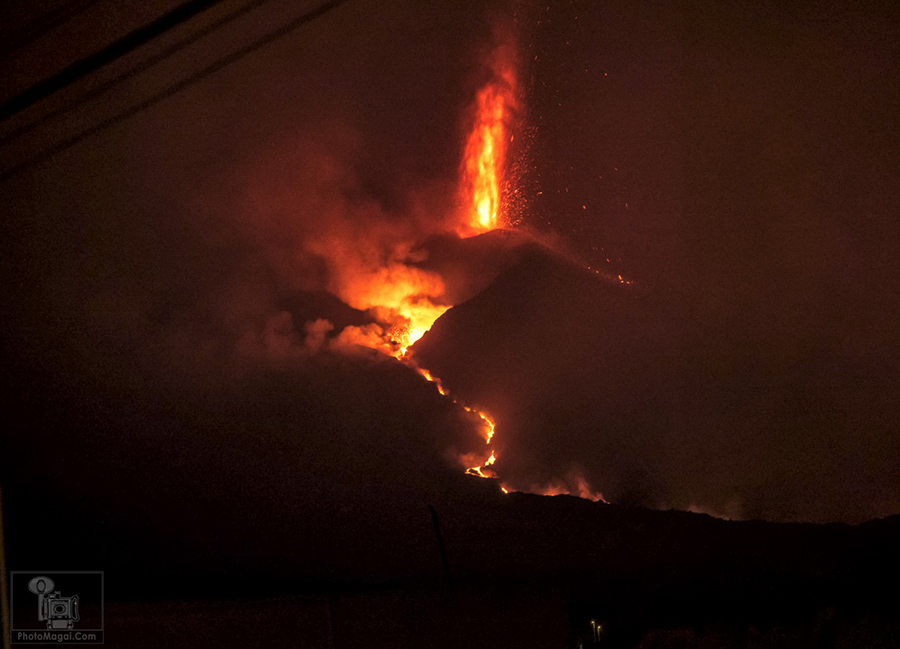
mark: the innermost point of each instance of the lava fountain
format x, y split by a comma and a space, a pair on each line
386, 278
485, 153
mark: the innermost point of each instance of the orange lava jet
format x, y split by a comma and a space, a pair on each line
485, 154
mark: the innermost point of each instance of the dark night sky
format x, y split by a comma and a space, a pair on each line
739, 164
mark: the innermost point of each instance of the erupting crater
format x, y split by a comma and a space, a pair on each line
416, 282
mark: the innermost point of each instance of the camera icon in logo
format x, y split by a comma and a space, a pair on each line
57, 611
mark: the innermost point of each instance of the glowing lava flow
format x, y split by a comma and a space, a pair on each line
480, 470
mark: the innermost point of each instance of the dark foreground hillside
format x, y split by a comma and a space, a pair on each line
534, 571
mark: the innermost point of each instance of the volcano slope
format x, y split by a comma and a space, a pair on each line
590, 377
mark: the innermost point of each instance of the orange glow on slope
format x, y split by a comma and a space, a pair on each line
405, 300
485, 154
582, 489
420, 317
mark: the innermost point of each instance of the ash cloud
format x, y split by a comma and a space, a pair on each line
181, 347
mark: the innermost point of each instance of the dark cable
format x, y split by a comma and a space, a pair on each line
128, 74
181, 85
43, 25
85, 66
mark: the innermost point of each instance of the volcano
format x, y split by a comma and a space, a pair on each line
313, 337
590, 378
